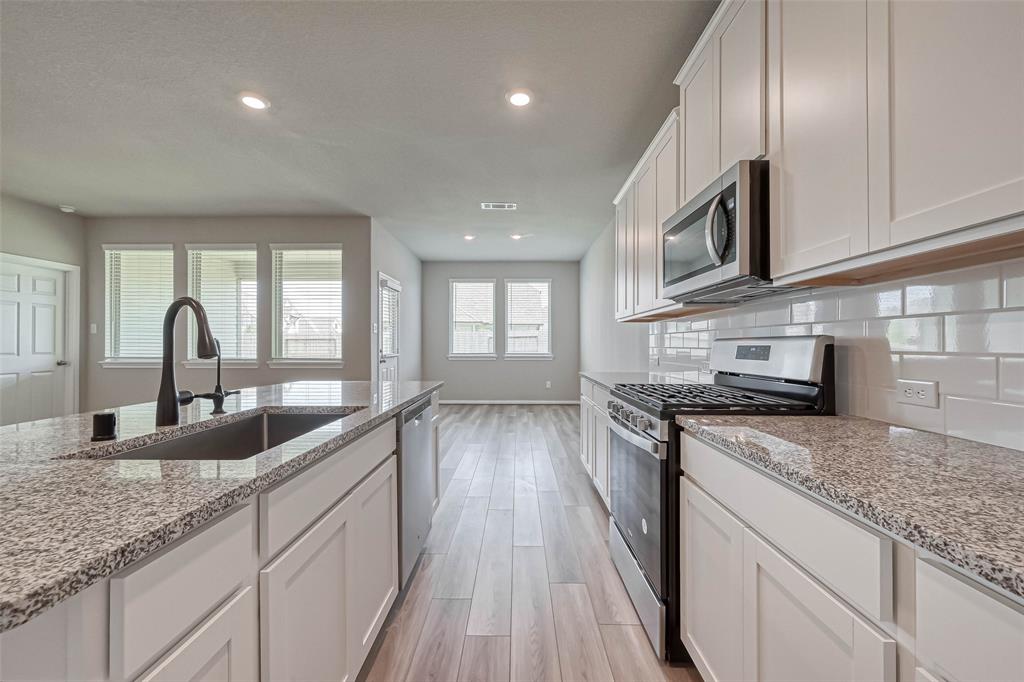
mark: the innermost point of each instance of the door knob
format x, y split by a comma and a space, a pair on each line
63, 363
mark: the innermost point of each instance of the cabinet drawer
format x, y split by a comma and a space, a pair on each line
601, 398
286, 510
155, 602
849, 558
586, 389
965, 632
223, 647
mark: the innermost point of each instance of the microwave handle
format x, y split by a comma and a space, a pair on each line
709, 230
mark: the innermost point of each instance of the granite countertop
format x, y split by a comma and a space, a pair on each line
71, 518
609, 379
961, 500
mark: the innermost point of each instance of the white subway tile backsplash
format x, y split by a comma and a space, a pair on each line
919, 334
946, 328
870, 302
1001, 332
1011, 379
961, 375
986, 421
971, 289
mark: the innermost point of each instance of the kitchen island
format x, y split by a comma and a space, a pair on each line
75, 517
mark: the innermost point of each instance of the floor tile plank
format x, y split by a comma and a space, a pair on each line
485, 659
459, 571
611, 603
527, 531
559, 549
446, 517
534, 653
580, 647
632, 658
439, 651
491, 611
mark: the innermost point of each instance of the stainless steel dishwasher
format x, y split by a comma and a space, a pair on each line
416, 483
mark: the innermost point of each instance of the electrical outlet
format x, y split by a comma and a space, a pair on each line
547, 384
921, 393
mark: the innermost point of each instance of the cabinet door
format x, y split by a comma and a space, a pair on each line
699, 160
586, 433
304, 604
222, 648
818, 136
947, 78
601, 454
740, 55
375, 522
625, 248
646, 244
666, 166
712, 585
794, 629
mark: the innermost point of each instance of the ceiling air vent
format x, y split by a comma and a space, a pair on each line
497, 206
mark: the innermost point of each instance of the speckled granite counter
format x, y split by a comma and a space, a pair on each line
961, 500
71, 518
609, 379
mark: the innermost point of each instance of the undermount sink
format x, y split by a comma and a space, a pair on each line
238, 440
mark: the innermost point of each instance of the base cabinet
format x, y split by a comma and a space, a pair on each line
601, 471
793, 629
224, 648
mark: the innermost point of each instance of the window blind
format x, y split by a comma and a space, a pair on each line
223, 279
139, 285
527, 317
388, 319
472, 318
307, 291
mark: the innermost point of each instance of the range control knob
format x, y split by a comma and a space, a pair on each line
625, 415
613, 406
643, 424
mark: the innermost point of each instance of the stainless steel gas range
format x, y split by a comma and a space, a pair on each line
781, 375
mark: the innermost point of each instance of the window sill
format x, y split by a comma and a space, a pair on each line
305, 364
484, 356
130, 363
197, 363
529, 356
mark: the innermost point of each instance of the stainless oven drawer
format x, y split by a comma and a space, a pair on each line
648, 606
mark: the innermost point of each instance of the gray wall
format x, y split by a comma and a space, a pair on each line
37, 231
393, 258
500, 379
606, 345
106, 387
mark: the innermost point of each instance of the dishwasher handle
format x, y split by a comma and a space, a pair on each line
414, 412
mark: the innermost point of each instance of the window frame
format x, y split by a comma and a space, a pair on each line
276, 361
129, 361
232, 362
452, 281
550, 354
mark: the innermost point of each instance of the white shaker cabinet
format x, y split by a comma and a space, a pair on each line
698, 151
712, 585
625, 253
647, 237
949, 148
222, 649
793, 629
601, 471
818, 131
739, 46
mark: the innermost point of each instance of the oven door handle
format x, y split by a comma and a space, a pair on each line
652, 447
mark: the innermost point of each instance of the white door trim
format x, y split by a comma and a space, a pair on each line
72, 319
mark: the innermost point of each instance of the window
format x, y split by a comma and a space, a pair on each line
528, 317
139, 287
471, 318
390, 294
307, 290
223, 279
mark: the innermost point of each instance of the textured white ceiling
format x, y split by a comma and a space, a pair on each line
390, 109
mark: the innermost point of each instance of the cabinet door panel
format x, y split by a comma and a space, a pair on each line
304, 604
794, 629
741, 54
956, 116
646, 244
375, 520
625, 255
818, 131
601, 454
666, 166
712, 565
699, 164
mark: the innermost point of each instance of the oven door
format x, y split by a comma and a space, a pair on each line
638, 468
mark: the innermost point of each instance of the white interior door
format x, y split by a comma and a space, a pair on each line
390, 296
33, 370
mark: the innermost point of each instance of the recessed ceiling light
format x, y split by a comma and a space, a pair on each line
64, 208
519, 97
469, 237
516, 236
254, 101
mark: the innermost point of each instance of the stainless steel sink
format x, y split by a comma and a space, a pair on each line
238, 440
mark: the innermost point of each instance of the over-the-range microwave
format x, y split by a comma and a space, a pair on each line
716, 248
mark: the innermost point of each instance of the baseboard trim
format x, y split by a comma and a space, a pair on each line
510, 402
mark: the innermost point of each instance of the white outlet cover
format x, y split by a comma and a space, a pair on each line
920, 393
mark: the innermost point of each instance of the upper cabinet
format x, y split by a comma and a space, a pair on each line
697, 123
625, 253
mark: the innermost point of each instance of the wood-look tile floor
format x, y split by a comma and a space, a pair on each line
516, 582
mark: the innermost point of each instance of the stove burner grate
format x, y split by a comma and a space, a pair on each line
708, 396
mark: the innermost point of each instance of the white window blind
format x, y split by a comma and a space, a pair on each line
471, 312
139, 285
307, 290
527, 317
223, 279
389, 297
